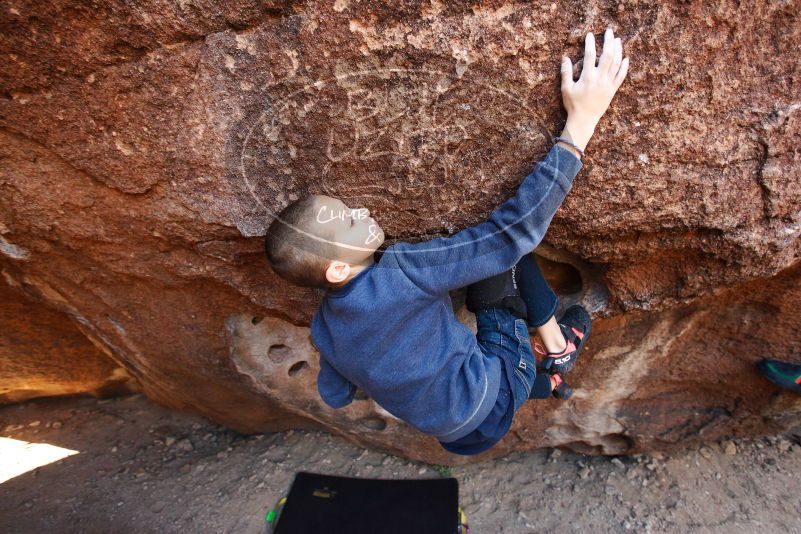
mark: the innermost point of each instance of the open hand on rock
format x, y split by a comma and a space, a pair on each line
587, 99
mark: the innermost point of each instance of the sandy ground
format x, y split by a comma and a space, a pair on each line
141, 468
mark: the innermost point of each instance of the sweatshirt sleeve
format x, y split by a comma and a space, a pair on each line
335, 390
494, 246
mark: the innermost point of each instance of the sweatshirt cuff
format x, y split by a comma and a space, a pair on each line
339, 399
564, 161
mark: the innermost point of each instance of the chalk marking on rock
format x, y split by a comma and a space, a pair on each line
446, 133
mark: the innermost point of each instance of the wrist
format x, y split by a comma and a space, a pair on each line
579, 131
570, 147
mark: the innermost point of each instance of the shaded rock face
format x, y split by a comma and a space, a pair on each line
42, 353
145, 150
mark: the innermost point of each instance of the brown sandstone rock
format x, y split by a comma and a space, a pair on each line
42, 354
146, 148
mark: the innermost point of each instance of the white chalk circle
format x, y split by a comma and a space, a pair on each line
396, 135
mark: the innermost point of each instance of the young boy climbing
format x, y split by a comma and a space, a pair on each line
388, 327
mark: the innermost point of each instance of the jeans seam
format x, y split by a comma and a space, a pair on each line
525, 382
498, 328
524, 342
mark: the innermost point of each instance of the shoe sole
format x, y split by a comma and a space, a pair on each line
565, 394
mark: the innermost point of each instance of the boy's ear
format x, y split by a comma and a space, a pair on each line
337, 272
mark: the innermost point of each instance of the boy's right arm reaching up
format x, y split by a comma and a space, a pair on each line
587, 99
519, 224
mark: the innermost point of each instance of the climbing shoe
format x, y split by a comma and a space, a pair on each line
562, 391
783, 374
575, 325
499, 291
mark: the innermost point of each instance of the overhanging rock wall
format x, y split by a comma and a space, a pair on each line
144, 150
43, 354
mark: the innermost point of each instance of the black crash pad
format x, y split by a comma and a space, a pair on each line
341, 505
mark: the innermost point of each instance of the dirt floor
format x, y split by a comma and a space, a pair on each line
141, 468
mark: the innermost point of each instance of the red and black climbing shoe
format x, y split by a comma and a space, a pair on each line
575, 325
561, 390
784, 374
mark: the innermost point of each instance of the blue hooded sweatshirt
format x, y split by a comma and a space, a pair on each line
391, 329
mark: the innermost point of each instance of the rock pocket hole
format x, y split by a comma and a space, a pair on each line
257, 320
562, 277
279, 353
297, 367
374, 423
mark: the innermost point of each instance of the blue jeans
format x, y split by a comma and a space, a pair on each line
503, 335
